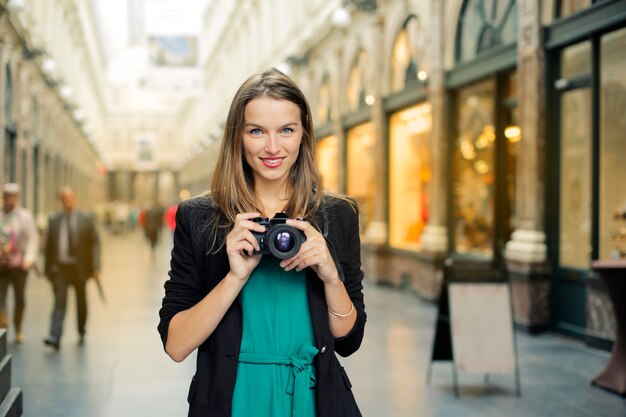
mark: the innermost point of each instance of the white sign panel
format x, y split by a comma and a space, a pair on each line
482, 327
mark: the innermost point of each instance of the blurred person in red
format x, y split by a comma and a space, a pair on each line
72, 257
19, 243
169, 218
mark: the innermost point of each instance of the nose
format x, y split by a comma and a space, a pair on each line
271, 144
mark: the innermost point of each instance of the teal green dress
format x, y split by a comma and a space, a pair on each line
275, 376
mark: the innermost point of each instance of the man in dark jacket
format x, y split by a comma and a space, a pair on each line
72, 257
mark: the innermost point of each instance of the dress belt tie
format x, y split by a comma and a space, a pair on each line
301, 378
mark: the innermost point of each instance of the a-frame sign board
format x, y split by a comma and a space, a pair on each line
474, 325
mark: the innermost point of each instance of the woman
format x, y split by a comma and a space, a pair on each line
266, 329
19, 244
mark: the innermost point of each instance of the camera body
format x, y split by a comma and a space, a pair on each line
279, 239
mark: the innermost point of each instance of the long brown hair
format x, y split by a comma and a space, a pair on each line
232, 185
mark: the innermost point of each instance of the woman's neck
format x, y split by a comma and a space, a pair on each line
272, 199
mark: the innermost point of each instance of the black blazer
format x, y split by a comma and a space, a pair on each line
86, 245
194, 272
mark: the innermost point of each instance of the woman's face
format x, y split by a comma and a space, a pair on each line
271, 139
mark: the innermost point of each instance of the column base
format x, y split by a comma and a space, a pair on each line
434, 239
529, 274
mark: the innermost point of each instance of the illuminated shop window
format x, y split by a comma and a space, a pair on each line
327, 150
575, 165
409, 175
474, 176
360, 175
356, 92
613, 145
485, 25
324, 100
405, 56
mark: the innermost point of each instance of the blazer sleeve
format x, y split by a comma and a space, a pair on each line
183, 289
348, 253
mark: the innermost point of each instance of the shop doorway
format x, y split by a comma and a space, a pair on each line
589, 185
575, 188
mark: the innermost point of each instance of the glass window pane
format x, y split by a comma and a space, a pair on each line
360, 178
409, 175
399, 61
473, 206
513, 136
575, 194
576, 60
612, 142
485, 25
327, 150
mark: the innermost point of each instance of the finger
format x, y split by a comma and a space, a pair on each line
242, 247
250, 225
306, 227
246, 216
245, 235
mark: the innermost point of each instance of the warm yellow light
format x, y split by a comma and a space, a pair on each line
513, 133
422, 75
467, 149
481, 166
370, 100
184, 195
482, 142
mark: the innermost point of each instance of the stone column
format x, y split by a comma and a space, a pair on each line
525, 253
435, 237
377, 229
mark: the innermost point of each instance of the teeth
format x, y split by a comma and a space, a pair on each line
272, 161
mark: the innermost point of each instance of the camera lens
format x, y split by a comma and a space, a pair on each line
284, 241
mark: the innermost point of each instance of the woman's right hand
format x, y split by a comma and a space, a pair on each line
241, 243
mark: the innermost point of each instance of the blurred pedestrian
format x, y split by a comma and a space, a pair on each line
266, 329
153, 224
72, 257
169, 218
19, 244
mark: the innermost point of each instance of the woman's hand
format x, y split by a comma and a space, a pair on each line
241, 243
313, 253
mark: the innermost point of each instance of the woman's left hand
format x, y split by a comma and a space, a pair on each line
313, 253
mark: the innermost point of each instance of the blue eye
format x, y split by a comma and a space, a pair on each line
255, 132
287, 131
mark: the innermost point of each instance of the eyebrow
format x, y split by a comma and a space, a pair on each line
285, 125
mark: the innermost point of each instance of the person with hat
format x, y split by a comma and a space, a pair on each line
19, 243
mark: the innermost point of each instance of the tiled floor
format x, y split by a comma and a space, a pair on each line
122, 370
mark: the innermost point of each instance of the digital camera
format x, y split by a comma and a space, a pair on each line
279, 239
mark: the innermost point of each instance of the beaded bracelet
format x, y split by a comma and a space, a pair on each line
342, 315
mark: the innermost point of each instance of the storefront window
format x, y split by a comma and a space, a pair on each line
327, 150
360, 178
356, 87
409, 175
474, 176
405, 56
485, 25
612, 139
575, 167
513, 135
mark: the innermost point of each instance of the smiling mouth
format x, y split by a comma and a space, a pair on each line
272, 162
